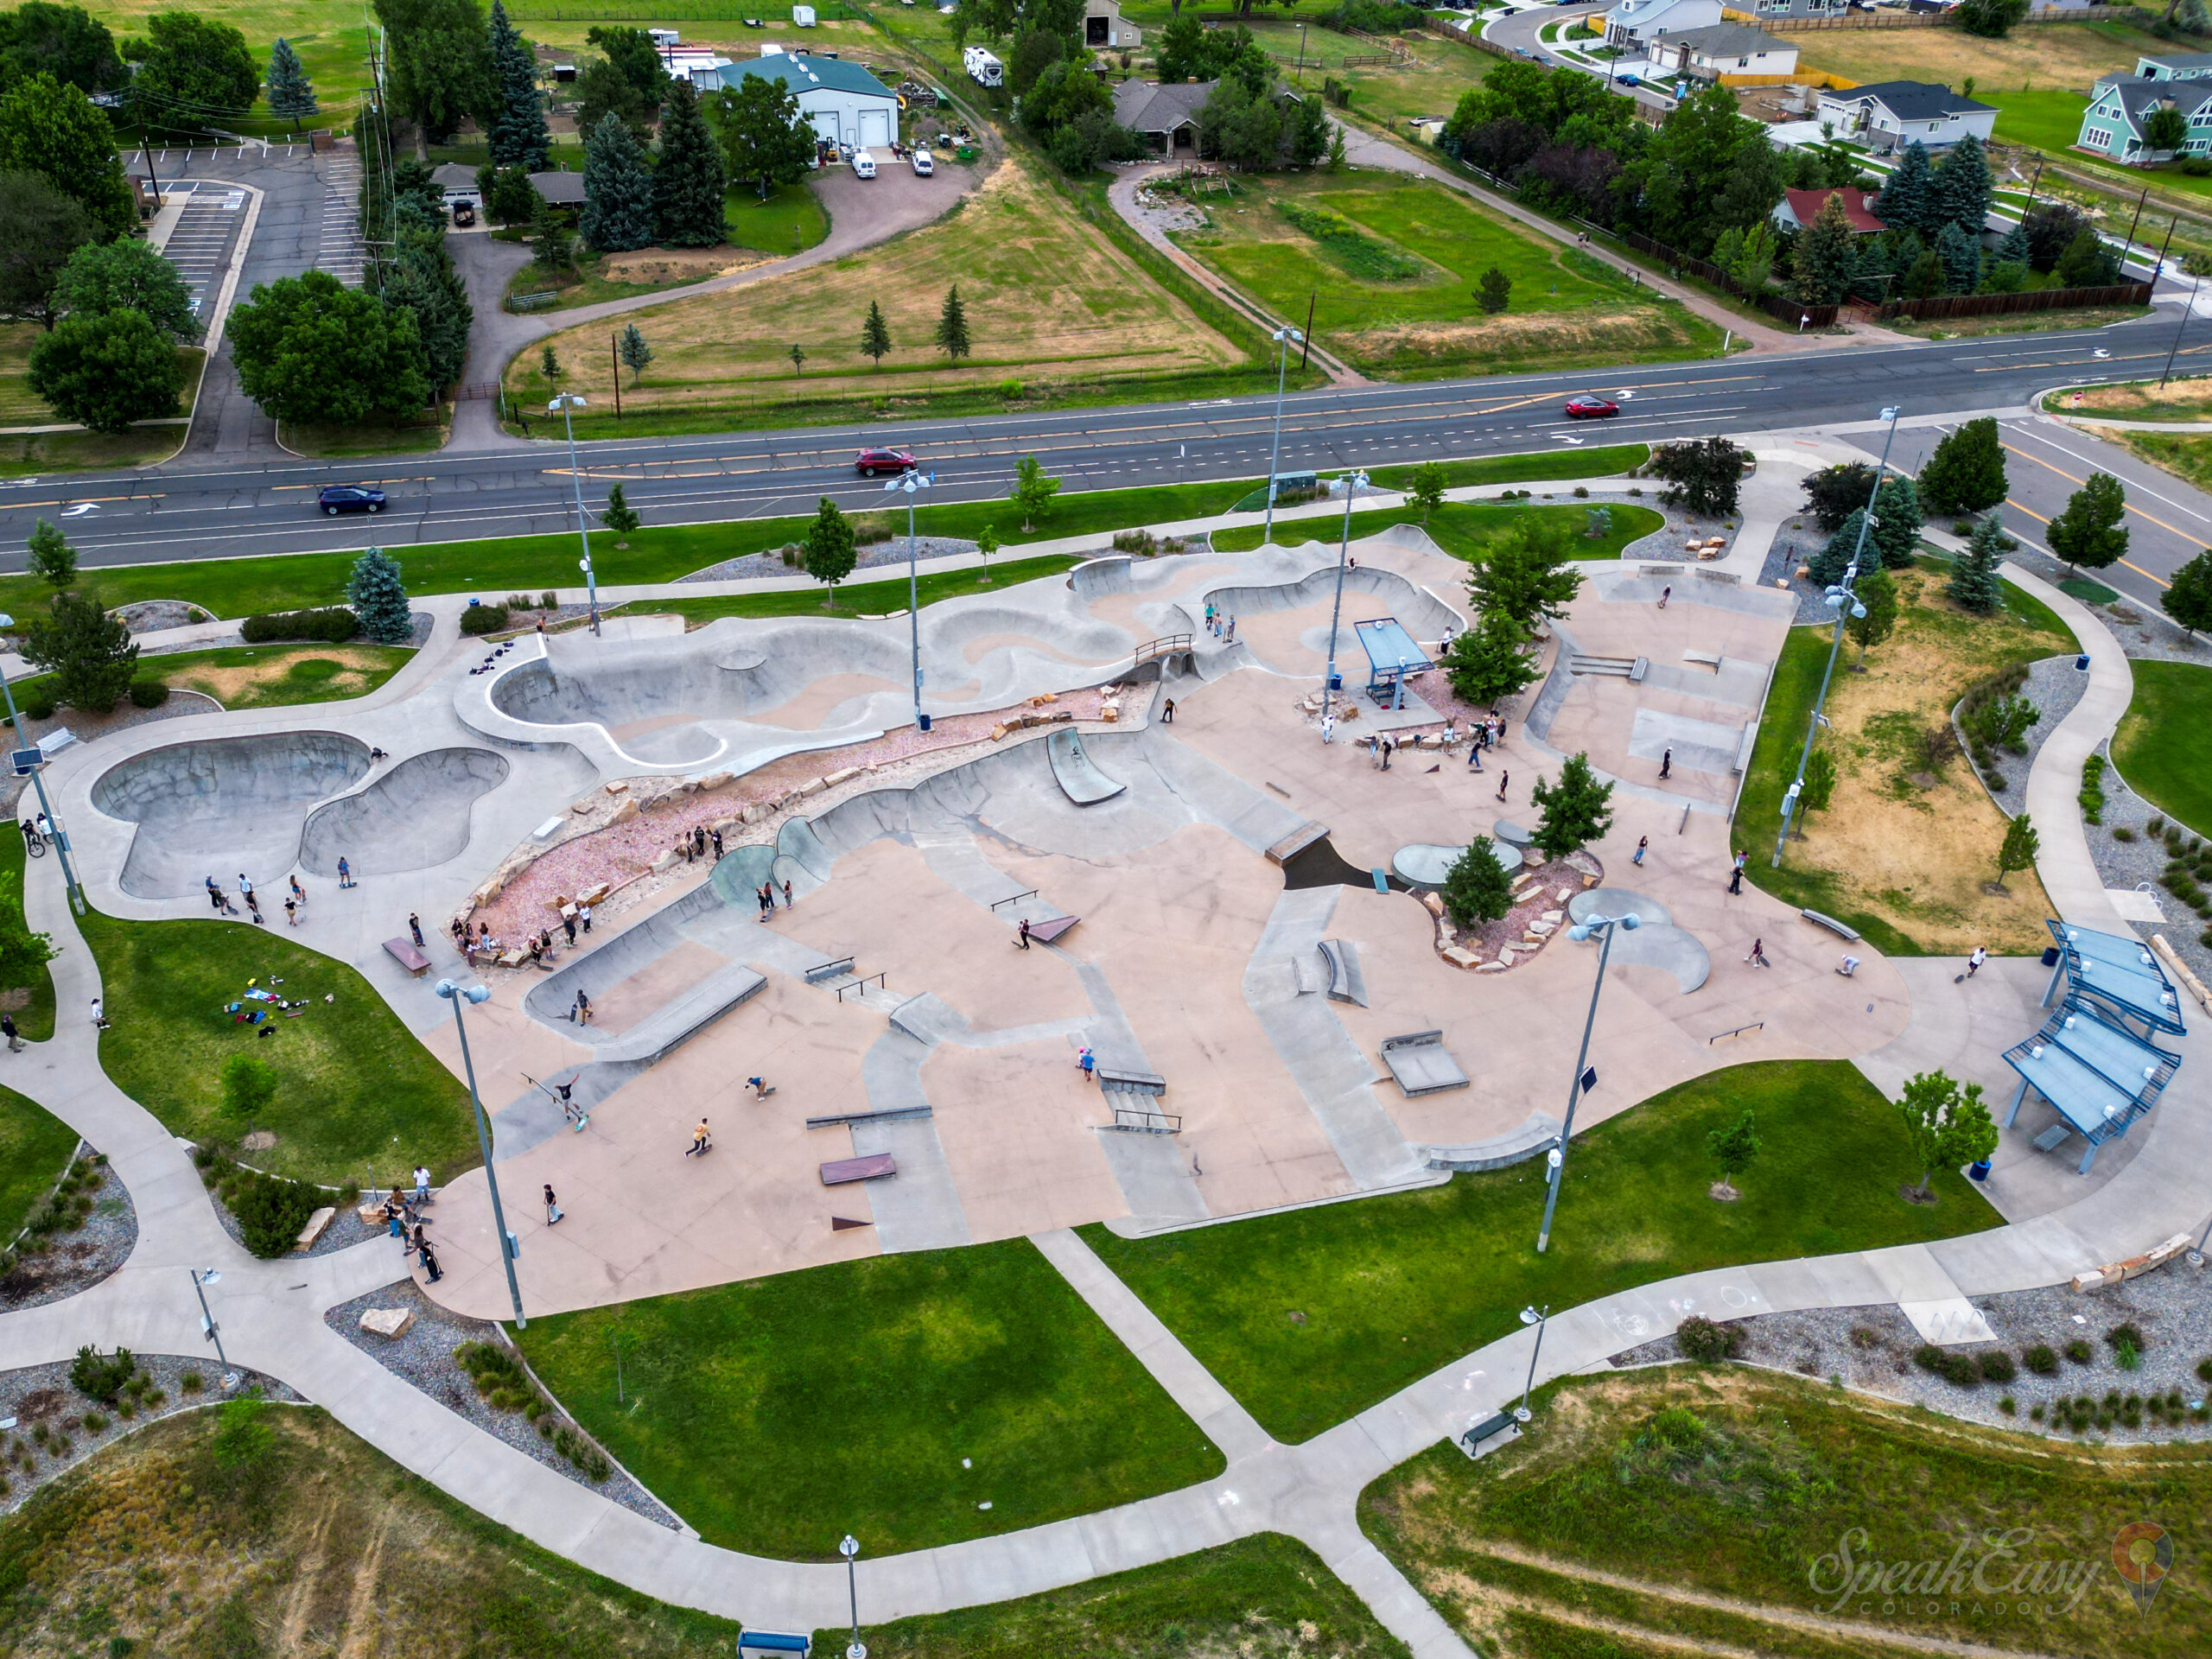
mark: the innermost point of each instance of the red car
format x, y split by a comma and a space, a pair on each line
869, 462
1591, 407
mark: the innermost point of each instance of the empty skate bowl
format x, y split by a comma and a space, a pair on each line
1423, 615
415, 816
223, 807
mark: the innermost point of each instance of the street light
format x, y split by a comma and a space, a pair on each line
38, 783
1284, 337
1535, 1316
1845, 603
1557, 1157
565, 401
849, 1547
911, 482
458, 994
2187, 312
208, 1276
1354, 483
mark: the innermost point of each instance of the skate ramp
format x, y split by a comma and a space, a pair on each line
1078, 778
414, 816
1098, 578
223, 806
1423, 615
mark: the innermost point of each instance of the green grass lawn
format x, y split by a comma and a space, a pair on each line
777, 1414
358, 1099
1739, 1486
34, 1020
1399, 297
792, 220
35, 1148
1265, 1595
266, 676
373, 438
2164, 746
858, 598
1392, 1289
1458, 527
2048, 120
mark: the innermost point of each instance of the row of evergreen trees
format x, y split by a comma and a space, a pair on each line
674, 198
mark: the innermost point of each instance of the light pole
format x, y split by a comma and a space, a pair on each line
1354, 483
2187, 312
1557, 1158
565, 401
38, 783
849, 1547
1846, 605
1535, 1316
1283, 337
911, 482
200, 1278
458, 994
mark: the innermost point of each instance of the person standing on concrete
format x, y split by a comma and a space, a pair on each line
1643, 846
1022, 939
1974, 962
253, 909
430, 1263
1328, 729
8, 1030
1665, 593
345, 874
1086, 1064
291, 911
421, 1184
715, 837
99, 1016
415, 926
569, 927
298, 893
1736, 879
246, 888
1665, 764
584, 914
787, 892
1504, 778
1388, 747
1167, 712
552, 1206
1757, 958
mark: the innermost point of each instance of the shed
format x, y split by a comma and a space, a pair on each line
843, 103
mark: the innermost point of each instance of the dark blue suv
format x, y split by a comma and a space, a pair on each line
349, 498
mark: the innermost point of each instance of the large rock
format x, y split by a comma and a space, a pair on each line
844, 775
388, 1322
624, 813
717, 780
318, 1223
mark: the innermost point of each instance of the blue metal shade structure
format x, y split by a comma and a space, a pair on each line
2098, 1075
1391, 654
2118, 972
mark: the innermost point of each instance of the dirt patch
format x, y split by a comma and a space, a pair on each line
356, 667
2186, 398
677, 265
1515, 338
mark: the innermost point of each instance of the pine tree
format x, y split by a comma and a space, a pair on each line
517, 132
1908, 200
88, 653
875, 334
1876, 592
291, 94
1828, 564
2088, 530
423, 281
1825, 259
2014, 249
1476, 888
1961, 186
620, 517
687, 175
952, 326
635, 352
1897, 522
1576, 810
618, 213
1974, 582
829, 549
379, 599
1961, 256
2189, 601
53, 560
1966, 472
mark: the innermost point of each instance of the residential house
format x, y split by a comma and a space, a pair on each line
559, 189
1103, 30
1723, 49
1798, 208
2197, 66
1169, 116
1634, 24
457, 183
843, 103
1771, 9
2112, 124
1890, 114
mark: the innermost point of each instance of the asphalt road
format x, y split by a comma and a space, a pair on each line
215, 511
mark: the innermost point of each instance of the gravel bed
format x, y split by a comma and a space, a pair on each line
41, 1395
77, 1259
346, 1229
2132, 864
1871, 1348
1664, 544
423, 1355
152, 615
2053, 685
1793, 546
754, 566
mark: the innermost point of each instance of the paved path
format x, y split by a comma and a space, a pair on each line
271, 1316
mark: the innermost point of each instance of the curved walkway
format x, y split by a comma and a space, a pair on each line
271, 1315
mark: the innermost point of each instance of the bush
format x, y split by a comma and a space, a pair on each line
331, 625
480, 620
2079, 1351
38, 705
149, 693
1137, 541
102, 1376
191, 1382
1707, 1342
581, 1453
2126, 1335
2040, 1360
270, 1211
1928, 1356
1961, 1370
1997, 1365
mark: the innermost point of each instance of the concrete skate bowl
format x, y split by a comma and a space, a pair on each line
1013, 652
1096, 578
1425, 616
413, 818
656, 698
224, 806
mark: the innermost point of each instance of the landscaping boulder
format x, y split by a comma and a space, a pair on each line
317, 1223
391, 1323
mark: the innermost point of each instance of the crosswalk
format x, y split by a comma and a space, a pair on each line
340, 251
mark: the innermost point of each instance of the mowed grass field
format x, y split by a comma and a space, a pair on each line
1051, 303
2163, 748
1421, 317
333, 42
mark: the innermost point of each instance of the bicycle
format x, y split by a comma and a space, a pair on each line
34, 843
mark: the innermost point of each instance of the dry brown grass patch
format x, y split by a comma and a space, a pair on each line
678, 264
358, 664
2065, 57
1535, 334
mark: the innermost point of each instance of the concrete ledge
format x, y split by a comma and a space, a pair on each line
1532, 1138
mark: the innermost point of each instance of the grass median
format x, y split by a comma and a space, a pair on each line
912, 1400
1313, 1315
1458, 527
358, 1098
2163, 748
35, 1019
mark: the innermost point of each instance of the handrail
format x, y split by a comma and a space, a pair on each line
861, 985
1161, 1122
1165, 644
1017, 898
1756, 1024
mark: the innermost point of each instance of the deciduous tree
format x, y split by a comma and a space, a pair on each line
65, 42
53, 130
1834, 493
127, 274
1733, 1149
39, 230
1575, 811
765, 139
2088, 530
53, 561
1948, 1127
437, 71
23, 953
1966, 472
1819, 788
1490, 661
89, 653
2189, 599
309, 349
1991, 19
2018, 849
1526, 573
1877, 597
1032, 490
195, 70
1702, 475
1427, 490
107, 371
830, 551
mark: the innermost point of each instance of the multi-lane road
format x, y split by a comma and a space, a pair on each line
213, 511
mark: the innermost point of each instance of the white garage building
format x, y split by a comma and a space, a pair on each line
843, 102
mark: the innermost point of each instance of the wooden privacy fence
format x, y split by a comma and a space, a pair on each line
1989, 305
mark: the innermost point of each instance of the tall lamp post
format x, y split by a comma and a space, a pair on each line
1285, 338
202, 1277
911, 482
38, 783
1557, 1157
458, 994
1535, 1316
1354, 483
849, 1547
1845, 603
564, 401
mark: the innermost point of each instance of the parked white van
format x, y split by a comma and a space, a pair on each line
924, 164
863, 164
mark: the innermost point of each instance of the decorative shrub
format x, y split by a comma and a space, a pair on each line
1707, 1342
148, 692
270, 1210
2079, 1351
480, 620
102, 1376
1997, 1365
2126, 1335
333, 625
1928, 1356
38, 705
580, 1453
1961, 1370
191, 1382
2040, 1360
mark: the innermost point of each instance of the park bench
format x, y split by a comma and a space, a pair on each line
1830, 923
1488, 1428
838, 1171
2053, 1138
403, 952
